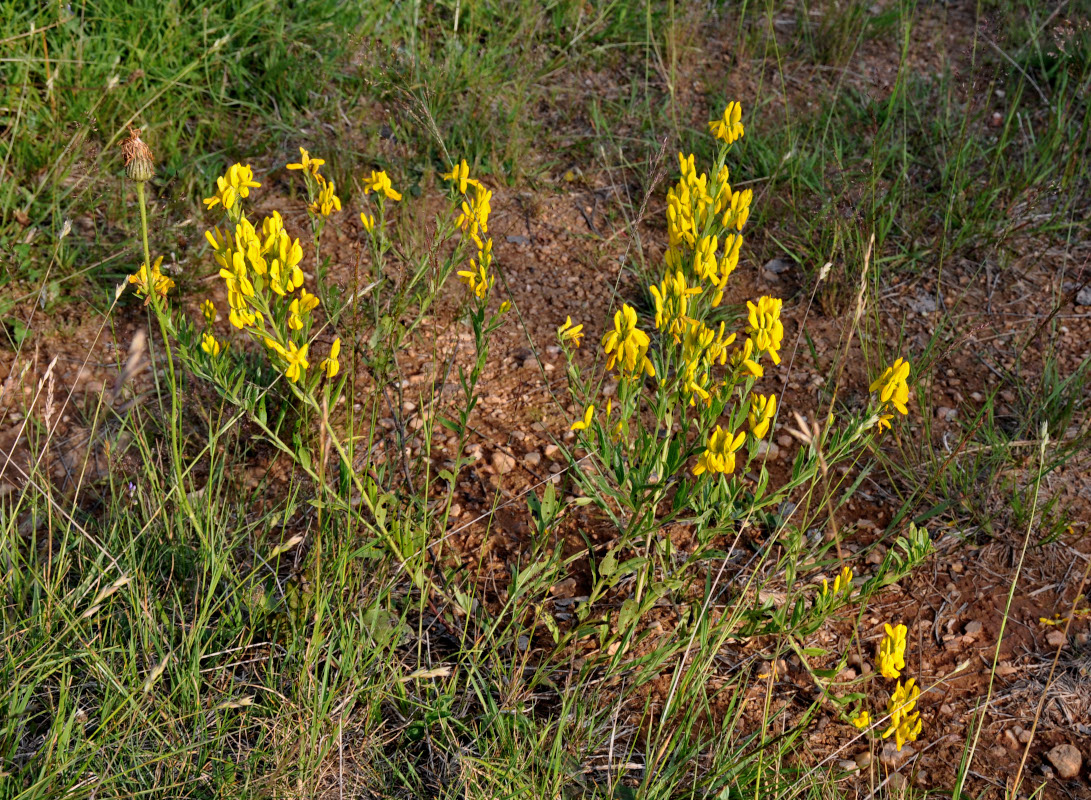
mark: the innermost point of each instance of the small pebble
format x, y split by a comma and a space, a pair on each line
1066, 759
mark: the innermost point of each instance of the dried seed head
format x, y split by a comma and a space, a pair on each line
139, 162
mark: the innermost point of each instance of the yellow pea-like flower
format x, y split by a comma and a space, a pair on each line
585, 423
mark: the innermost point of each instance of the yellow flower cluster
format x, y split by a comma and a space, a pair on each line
151, 282
719, 455
765, 328
236, 183
842, 583
261, 269
473, 220
729, 126
379, 182
892, 651
704, 219
671, 304
760, 417
626, 345
893, 392
904, 723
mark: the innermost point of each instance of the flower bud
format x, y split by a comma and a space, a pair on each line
139, 163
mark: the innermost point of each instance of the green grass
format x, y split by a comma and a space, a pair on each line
156, 638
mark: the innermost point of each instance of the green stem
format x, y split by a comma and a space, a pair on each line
143, 223
176, 430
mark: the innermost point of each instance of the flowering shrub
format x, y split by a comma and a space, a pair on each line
686, 397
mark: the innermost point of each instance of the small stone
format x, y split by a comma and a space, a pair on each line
785, 441
1025, 737
530, 363
773, 451
502, 462
973, 628
552, 451
895, 784
1066, 759
565, 588
778, 265
890, 756
1010, 739
1056, 639
947, 710
863, 759
848, 766
875, 557
1083, 296
533, 458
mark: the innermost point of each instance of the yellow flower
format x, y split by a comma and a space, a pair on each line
210, 345
719, 455
219, 244
271, 228
905, 724
892, 651
687, 167
151, 282
300, 308
842, 583
704, 258
627, 346
477, 278
585, 423
907, 729
862, 720
307, 163
296, 358
379, 182
330, 364
672, 303
368, 221
739, 211
460, 176
723, 190
892, 386
570, 333
241, 179
742, 359
765, 327
474, 218
762, 411
728, 261
224, 196
883, 422
326, 202
728, 127
285, 275
208, 310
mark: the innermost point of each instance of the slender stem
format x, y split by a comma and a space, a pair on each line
160, 312
143, 223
